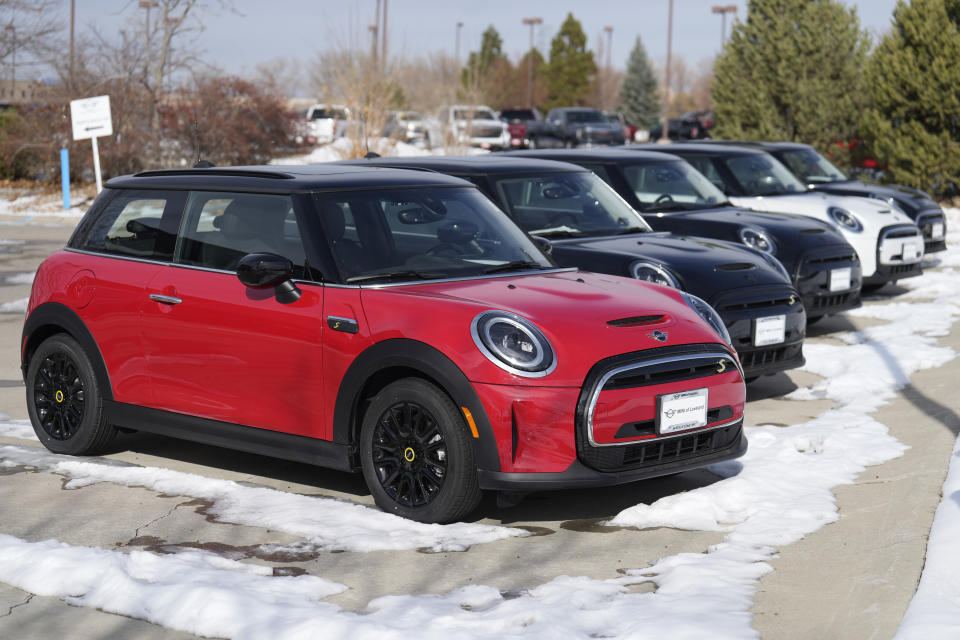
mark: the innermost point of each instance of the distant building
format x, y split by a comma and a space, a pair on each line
25, 92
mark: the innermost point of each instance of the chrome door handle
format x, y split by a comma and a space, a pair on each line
156, 297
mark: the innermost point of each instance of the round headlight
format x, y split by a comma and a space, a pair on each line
845, 219
650, 272
708, 313
513, 344
757, 239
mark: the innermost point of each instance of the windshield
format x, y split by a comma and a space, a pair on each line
323, 114
473, 114
418, 233
585, 116
810, 166
762, 175
671, 185
566, 205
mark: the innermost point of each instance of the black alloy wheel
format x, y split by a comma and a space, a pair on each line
59, 396
409, 454
417, 453
64, 399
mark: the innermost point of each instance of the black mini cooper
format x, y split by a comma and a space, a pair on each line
820, 174
673, 196
590, 227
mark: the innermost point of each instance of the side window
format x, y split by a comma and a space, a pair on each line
708, 169
600, 170
137, 224
220, 228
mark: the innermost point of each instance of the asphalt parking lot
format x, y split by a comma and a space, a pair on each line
851, 579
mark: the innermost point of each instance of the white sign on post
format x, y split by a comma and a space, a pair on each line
91, 119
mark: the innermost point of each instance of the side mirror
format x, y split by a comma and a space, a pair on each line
263, 270
543, 244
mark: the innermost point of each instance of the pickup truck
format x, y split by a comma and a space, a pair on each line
574, 127
470, 125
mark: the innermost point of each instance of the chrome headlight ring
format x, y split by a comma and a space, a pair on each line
655, 273
708, 313
757, 239
845, 219
513, 343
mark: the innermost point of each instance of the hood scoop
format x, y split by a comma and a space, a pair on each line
735, 266
635, 321
812, 230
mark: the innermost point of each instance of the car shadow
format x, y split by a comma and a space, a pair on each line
545, 506
773, 386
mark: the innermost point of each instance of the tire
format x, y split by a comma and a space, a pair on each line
409, 471
64, 399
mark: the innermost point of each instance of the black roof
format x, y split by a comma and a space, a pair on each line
700, 148
284, 179
488, 164
596, 154
775, 146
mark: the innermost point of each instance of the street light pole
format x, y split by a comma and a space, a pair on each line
607, 74
457, 48
665, 134
13, 60
723, 10
531, 22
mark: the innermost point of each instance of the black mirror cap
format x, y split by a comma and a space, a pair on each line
262, 270
543, 244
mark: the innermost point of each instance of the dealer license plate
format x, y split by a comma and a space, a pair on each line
840, 279
769, 330
936, 230
682, 410
911, 250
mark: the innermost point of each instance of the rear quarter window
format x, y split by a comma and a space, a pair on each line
133, 223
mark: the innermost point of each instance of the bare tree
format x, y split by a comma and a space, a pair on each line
27, 27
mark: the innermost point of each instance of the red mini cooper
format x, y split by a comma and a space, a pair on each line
383, 320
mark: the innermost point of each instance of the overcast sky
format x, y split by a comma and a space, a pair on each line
257, 31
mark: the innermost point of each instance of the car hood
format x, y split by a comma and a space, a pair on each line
873, 213
801, 232
704, 266
567, 306
908, 199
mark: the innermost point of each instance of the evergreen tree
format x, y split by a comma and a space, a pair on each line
792, 71
480, 62
913, 125
641, 104
570, 68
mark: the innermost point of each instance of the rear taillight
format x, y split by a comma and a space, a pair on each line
517, 130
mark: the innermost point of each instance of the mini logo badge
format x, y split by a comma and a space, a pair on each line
658, 335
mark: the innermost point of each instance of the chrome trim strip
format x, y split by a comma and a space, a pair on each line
613, 372
526, 272
336, 285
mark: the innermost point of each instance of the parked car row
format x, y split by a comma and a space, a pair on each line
444, 326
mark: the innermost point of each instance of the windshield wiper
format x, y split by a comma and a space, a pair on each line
665, 206
515, 265
395, 275
773, 193
557, 233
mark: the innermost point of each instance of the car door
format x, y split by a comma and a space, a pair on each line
124, 245
217, 349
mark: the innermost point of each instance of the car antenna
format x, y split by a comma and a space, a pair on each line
200, 164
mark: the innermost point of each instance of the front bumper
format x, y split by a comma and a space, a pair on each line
741, 309
677, 455
899, 254
607, 431
817, 278
933, 225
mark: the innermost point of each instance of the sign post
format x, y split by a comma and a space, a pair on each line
91, 119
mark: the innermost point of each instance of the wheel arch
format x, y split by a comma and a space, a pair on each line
51, 318
390, 360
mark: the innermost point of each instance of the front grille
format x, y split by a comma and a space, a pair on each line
900, 269
486, 132
763, 357
654, 366
836, 258
668, 450
832, 300
649, 427
901, 232
785, 301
